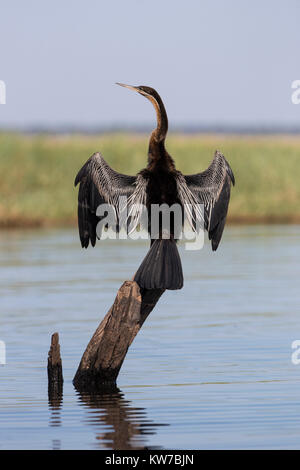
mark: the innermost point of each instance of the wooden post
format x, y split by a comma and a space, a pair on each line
55, 375
106, 351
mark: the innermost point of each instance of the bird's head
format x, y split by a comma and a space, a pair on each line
143, 90
153, 96
146, 91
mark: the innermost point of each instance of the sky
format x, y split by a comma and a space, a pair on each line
214, 62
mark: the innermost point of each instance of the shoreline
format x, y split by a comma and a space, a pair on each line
18, 223
38, 184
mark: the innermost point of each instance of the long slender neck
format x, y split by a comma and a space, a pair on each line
157, 140
162, 120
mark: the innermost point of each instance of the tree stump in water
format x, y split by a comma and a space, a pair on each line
55, 374
106, 351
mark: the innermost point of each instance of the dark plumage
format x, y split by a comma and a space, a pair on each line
158, 183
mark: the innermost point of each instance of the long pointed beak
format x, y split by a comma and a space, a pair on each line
134, 88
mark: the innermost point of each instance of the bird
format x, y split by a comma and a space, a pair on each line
158, 183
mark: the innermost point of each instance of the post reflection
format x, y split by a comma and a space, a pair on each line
118, 424
55, 399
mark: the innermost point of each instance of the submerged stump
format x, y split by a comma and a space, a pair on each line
55, 374
106, 351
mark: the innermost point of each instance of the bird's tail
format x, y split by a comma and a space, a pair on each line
161, 267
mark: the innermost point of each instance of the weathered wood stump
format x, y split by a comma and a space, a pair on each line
55, 374
106, 351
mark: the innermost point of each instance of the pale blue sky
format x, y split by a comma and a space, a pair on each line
212, 61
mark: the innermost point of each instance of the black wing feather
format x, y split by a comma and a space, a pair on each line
99, 184
212, 189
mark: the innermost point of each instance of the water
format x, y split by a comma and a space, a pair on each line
210, 369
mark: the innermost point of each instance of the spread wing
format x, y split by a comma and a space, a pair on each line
212, 189
100, 184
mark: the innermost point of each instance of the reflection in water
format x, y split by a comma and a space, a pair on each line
56, 444
125, 427
55, 399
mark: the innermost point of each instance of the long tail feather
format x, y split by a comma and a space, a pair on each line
161, 267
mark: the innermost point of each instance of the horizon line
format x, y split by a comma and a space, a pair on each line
255, 129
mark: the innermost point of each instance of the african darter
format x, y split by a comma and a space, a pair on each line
159, 183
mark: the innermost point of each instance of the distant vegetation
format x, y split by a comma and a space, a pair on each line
37, 172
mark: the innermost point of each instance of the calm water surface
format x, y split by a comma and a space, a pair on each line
210, 369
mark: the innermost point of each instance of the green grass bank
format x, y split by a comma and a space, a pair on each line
37, 172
